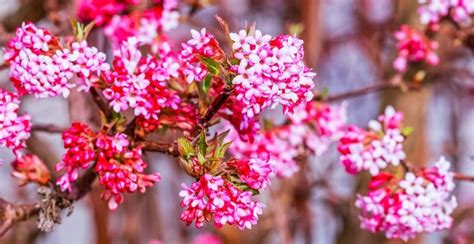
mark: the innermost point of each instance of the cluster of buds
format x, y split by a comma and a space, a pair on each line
29, 168
400, 205
270, 71
414, 47
460, 11
101, 12
40, 66
14, 129
119, 166
224, 189
140, 82
402, 208
376, 148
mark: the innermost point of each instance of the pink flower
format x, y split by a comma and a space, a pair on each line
202, 45
141, 82
80, 154
101, 11
270, 72
213, 197
14, 129
41, 67
414, 47
29, 168
254, 172
375, 149
421, 202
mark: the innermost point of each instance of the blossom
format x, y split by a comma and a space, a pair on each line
120, 169
119, 166
140, 82
376, 148
270, 72
146, 26
14, 129
80, 154
40, 66
102, 11
420, 202
254, 172
29, 168
215, 197
432, 11
414, 47
202, 45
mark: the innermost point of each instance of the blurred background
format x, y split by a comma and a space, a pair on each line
350, 44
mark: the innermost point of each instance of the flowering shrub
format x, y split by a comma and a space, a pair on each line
206, 103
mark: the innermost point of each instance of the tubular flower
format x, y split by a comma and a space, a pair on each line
41, 67
202, 46
376, 148
14, 129
270, 72
29, 168
140, 82
414, 47
215, 197
420, 202
253, 172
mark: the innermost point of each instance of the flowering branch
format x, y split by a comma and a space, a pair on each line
368, 89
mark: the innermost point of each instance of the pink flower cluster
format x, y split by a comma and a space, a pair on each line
376, 148
14, 129
313, 126
40, 66
432, 11
141, 82
414, 47
203, 45
215, 197
119, 167
270, 72
253, 172
420, 202
146, 25
101, 11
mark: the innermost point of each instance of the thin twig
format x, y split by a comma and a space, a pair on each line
211, 111
463, 177
152, 146
366, 90
50, 128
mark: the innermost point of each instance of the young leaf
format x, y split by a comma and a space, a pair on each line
407, 131
202, 145
185, 148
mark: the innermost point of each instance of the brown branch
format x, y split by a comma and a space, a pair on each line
11, 214
152, 146
366, 90
50, 128
211, 111
463, 177
101, 103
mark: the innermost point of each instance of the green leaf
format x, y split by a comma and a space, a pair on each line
407, 131
185, 148
222, 149
206, 84
202, 145
212, 66
201, 158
